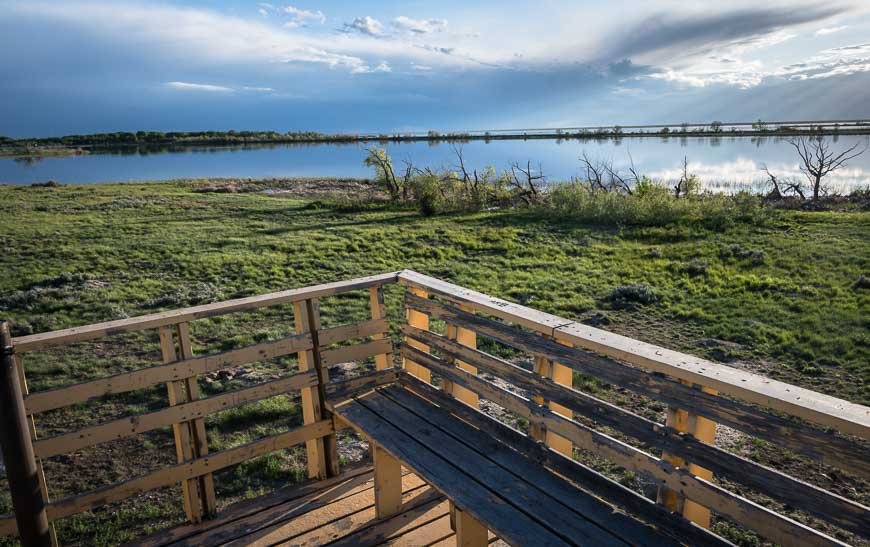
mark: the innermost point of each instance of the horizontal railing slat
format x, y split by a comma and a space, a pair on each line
134, 425
816, 407
342, 333
356, 352
187, 470
769, 524
42, 401
797, 436
845, 513
337, 391
35, 342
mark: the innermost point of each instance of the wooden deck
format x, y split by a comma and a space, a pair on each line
338, 511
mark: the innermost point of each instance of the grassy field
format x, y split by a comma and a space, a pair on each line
780, 295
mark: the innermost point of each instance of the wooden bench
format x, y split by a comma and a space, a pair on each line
492, 486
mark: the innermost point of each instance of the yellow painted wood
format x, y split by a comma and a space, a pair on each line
181, 430
561, 375
469, 531
311, 410
383, 361
388, 482
421, 321
468, 338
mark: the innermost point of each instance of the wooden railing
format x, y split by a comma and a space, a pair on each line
699, 394
185, 410
680, 455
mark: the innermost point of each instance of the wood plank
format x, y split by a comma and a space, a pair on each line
134, 425
835, 509
575, 502
468, 338
388, 482
517, 490
800, 437
51, 399
507, 522
315, 521
572, 470
311, 407
183, 471
769, 524
306, 494
428, 534
806, 404
39, 341
199, 439
378, 309
402, 527
356, 352
421, 321
181, 431
470, 532
343, 333
338, 391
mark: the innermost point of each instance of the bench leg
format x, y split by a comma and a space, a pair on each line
469, 531
388, 483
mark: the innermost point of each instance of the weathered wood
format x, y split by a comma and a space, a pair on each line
356, 352
609, 490
797, 436
574, 503
51, 399
468, 338
312, 409
421, 525
181, 413
514, 490
338, 391
469, 531
510, 524
181, 431
19, 459
378, 309
111, 328
388, 482
421, 321
187, 470
767, 523
822, 409
835, 509
343, 333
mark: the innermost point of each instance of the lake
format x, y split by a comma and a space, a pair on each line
724, 164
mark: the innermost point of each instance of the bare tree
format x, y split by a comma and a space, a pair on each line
594, 172
527, 190
819, 160
378, 158
688, 184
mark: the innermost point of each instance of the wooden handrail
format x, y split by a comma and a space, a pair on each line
803, 403
35, 342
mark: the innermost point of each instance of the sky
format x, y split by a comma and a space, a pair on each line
73, 67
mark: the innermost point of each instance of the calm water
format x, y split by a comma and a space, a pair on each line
725, 164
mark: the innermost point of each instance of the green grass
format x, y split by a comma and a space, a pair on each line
779, 293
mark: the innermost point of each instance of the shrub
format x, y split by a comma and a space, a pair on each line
626, 296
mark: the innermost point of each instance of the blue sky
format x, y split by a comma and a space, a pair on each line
80, 67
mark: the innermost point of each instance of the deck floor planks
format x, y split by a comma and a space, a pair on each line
402, 525
583, 504
514, 489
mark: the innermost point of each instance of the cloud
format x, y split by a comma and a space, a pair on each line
187, 86
382, 67
838, 61
830, 30
302, 16
365, 25
418, 26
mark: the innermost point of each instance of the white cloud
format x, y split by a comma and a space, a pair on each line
830, 30
419, 26
365, 25
187, 86
258, 89
302, 16
421, 68
383, 67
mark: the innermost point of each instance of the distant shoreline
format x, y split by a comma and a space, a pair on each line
108, 142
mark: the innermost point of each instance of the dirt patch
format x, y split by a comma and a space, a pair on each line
310, 188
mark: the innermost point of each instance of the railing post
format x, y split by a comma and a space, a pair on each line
561, 375
22, 470
467, 338
388, 482
704, 430
322, 452
421, 321
383, 361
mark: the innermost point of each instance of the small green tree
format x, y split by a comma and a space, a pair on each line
383, 164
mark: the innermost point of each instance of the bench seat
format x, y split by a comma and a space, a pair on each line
516, 498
